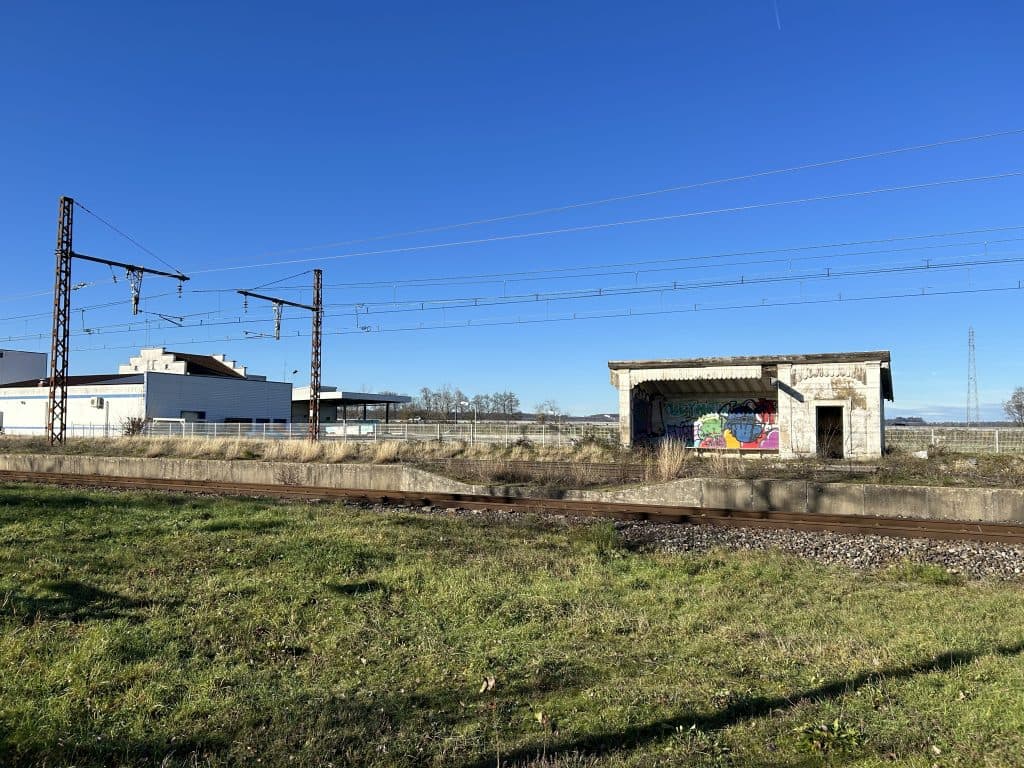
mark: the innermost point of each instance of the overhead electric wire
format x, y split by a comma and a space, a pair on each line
682, 268
923, 292
86, 308
436, 301
651, 193
630, 222
583, 269
275, 282
605, 292
127, 237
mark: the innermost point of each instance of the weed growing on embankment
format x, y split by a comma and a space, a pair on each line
144, 629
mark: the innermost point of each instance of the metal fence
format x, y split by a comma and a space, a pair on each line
506, 433
957, 439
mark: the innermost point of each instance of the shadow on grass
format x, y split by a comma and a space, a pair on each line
354, 588
306, 728
611, 741
256, 526
155, 751
46, 502
75, 601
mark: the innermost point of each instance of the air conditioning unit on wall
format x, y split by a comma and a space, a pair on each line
96, 402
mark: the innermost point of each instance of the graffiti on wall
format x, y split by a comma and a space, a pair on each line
750, 424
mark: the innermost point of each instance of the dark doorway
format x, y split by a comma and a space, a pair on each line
830, 431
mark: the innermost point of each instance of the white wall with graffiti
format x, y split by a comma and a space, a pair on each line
735, 422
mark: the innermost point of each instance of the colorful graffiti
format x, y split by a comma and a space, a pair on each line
737, 424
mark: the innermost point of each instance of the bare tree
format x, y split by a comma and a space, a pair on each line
444, 401
547, 409
1014, 407
427, 401
505, 403
481, 404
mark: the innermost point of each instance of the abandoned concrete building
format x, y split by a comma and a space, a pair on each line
829, 405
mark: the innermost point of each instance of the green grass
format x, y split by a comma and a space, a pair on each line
169, 630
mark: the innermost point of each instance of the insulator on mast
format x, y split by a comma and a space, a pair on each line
135, 282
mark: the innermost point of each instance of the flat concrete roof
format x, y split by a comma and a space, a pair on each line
707, 362
352, 398
94, 379
880, 355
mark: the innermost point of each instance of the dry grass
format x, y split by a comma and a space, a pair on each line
670, 460
721, 465
387, 452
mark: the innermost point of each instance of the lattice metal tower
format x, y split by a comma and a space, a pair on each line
973, 411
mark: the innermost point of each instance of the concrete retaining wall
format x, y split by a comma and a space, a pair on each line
382, 477
982, 504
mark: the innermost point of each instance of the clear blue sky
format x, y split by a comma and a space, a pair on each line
234, 134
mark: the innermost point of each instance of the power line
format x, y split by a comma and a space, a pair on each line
652, 193
462, 302
632, 267
127, 237
629, 222
587, 270
594, 293
923, 292
275, 282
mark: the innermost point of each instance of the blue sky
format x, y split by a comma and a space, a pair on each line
228, 138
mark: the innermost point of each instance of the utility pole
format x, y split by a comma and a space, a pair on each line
973, 411
317, 308
60, 348
314, 357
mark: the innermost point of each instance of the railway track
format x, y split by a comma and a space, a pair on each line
1005, 533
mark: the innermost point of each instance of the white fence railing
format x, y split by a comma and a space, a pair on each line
506, 433
957, 439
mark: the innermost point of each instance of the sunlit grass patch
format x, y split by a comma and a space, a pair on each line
146, 629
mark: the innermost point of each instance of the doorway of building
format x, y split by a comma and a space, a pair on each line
830, 431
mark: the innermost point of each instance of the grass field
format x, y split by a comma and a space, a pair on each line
170, 630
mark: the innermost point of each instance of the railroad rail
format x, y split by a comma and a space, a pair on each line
1005, 533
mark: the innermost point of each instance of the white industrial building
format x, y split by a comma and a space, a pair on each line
156, 384
21, 366
831, 405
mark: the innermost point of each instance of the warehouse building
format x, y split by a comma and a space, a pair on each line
155, 384
829, 405
21, 366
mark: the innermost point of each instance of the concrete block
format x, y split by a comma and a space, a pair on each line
835, 498
896, 500
727, 494
686, 492
958, 503
1005, 506
779, 495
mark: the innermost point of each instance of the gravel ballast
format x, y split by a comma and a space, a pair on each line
970, 559
967, 559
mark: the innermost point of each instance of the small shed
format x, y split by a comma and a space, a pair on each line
334, 404
831, 405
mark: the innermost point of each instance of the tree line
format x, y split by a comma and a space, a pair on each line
449, 403
446, 402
